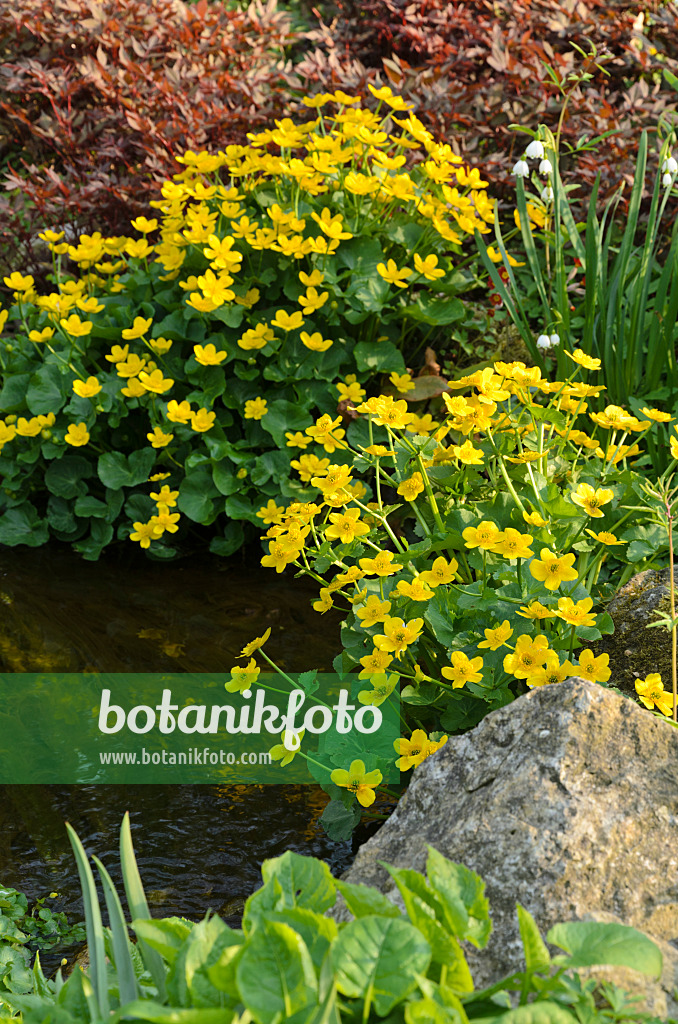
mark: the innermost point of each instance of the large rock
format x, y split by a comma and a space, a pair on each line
565, 801
635, 650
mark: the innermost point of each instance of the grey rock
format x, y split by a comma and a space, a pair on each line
565, 801
633, 649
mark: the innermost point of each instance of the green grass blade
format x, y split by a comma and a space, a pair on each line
138, 905
94, 928
127, 982
531, 251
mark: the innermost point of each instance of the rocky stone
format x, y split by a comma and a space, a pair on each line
633, 649
565, 801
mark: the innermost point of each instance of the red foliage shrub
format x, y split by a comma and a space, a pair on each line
99, 95
472, 67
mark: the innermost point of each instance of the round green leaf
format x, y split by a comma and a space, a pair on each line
275, 974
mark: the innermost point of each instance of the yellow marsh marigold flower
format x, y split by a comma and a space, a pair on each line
356, 780
166, 520
77, 435
255, 644
179, 412
242, 677
256, 337
467, 454
551, 672
18, 283
657, 415
165, 496
287, 321
386, 412
594, 669
614, 418
398, 635
536, 610
29, 427
497, 636
295, 439
280, 752
271, 513
390, 272
346, 526
382, 688
484, 536
440, 572
37, 336
652, 694
87, 388
513, 545
402, 382
428, 267
255, 408
144, 533
76, 327
90, 305
155, 382
207, 355
552, 569
373, 611
138, 328
315, 342
324, 602
7, 432
409, 489
311, 301
381, 565
414, 591
130, 367
334, 478
374, 663
528, 656
576, 613
580, 357
158, 438
604, 537
415, 750
117, 354
591, 500
350, 390
534, 519
464, 670
279, 556
327, 433
144, 225
134, 389
202, 420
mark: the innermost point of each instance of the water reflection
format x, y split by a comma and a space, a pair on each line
198, 846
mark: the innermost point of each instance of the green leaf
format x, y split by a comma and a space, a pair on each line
156, 1013
379, 958
137, 903
597, 942
166, 936
13, 393
362, 900
536, 1013
462, 893
116, 470
381, 357
339, 821
100, 535
430, 310
64, 477
537, 957
47, 389
317, 931
304, 881
284, 416
22, 525
195, 496
275, 973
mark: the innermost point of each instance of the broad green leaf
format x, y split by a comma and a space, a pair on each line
156, 1013
116, 470
195, 496
598, 942
378, 358
317, 931
362, 900
339, 820
305, 881
536, 1013
379, 958
47, 390
462, 893
188, 982
166, 936
275, 973
284, 416
537, 957
428, 1011
65, 477
22, 525
269, 897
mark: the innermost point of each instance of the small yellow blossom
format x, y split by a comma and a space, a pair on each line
358, 781
242, 677
87, 388
158, 438
255, 409
497, 636
653, 695
77, 435
464, 669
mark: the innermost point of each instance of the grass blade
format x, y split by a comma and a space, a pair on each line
138, 905
127, 982
98, 1000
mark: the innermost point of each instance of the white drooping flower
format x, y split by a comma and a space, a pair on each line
521, 169
667, 180
555, 340
670, 166
535, 150
545, 167
544, 342
547, 194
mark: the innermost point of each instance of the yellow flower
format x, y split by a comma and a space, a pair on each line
166, 520
428, 267
159, 439
398, 635
324, 602
464, 669
552, 570
415, 750
358, 781
534, 519
588, 362
144, 225
87, 388
76, 327
134, 389
202, 420
536, 610
271, 513
657, 415
312, 301
295, 439
484, 536
18, 283
652, 694
326, 431
402, 382
414, 591
381, 565
255, 644
145, 533
39, 336
28, 428
591, 500
257, 337
160, 345
577, 614
315, 341
346, 526
117, 354
179, 412
497, 637
287, 321
242, 677
594, 669
350, 390
165, 496
373, 611
467, 454
207, 355
513, 545
155, 382
77, 435
528, 656
440, 572
255, 408
551, 672
604, 537
280, 752
382, 688
138, 328
410, 488
390, 272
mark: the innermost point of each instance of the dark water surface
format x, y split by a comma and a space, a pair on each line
198, 847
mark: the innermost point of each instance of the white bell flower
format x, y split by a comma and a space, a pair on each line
547, 194
535, 150
521, 169
545, 167
544, 342
555, 340
670, 166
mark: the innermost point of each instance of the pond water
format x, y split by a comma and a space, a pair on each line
198, 847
